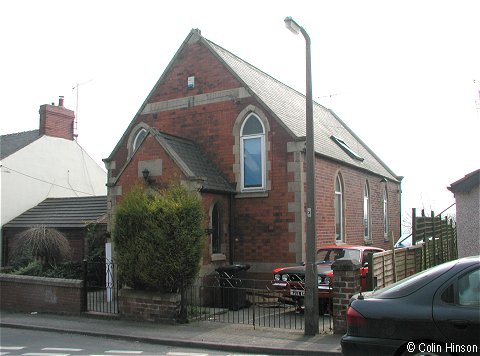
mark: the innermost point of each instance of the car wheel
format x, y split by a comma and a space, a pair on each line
427, 348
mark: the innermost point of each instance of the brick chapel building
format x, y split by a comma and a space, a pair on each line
228, 130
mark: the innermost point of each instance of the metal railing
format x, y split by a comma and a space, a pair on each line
246, 301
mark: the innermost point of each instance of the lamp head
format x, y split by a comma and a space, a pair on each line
145, 174
292, 25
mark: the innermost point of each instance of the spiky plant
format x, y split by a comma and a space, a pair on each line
46, 245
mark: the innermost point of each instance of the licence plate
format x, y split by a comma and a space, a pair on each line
297, 292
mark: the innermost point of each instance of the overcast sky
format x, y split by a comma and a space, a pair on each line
399, 73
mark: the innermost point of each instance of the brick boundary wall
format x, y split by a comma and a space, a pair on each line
149, 306
346, 282
41, 294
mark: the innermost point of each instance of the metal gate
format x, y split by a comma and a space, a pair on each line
101, 287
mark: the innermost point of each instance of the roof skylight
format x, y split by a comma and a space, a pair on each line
347, 148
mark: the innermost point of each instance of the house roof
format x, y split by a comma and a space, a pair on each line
288, 107
466, 184
73, 212
11, 143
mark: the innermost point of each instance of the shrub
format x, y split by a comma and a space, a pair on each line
158, 238
45, 245
34, 268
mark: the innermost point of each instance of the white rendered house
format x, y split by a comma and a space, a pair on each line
46, 163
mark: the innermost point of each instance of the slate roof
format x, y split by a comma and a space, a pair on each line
288, 106
193, 162
62, 213
467, 183
11, 143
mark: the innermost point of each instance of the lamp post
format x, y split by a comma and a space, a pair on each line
311, 278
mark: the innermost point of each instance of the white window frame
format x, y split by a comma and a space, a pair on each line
366, 212
244, 138
385, 213
339, 199
136, 139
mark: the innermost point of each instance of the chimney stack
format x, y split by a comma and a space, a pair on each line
57, 121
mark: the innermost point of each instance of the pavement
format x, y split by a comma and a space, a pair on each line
199, 334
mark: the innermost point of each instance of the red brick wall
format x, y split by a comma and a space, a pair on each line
261, 225
261, 228
354, 180
26, 293
149, 150
149, 306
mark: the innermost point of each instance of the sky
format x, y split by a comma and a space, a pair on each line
403, 75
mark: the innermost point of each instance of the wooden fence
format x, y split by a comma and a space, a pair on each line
434, 241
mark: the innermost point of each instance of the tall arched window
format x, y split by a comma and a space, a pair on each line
252, 146
385, 213
366, 212
339, 235
216, 230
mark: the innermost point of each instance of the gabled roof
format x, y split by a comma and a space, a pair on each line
194, 164
73, 212
11, 143
288, 107
467, 183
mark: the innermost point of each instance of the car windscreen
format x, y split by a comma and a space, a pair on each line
411, 284
330, 255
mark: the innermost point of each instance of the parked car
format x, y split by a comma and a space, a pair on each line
291, 280
434, 312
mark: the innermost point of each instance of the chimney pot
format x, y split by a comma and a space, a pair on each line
60, 100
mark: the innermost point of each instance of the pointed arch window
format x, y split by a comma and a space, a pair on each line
385, 213
366, 212
252, 146
216, 229
138, 138
339, 223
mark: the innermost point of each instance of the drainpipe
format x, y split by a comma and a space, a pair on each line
230, 230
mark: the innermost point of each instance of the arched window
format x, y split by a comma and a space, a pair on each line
252, 146
366, 212
216, 229
339, 223
385, 213
138, 138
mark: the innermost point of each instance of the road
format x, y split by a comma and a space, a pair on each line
16, 342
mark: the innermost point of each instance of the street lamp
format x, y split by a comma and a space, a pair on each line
311, 278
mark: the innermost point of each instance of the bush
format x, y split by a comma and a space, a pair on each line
34, 268
45, 245
158, 238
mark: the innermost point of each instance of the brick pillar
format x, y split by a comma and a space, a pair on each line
346, 282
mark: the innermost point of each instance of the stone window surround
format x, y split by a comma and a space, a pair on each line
242, 116
133, 135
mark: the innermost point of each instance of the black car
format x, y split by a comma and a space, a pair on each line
434, 312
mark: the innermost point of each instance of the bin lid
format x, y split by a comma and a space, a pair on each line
233, 268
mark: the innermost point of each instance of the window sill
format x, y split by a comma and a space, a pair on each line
257, 194
218, 257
